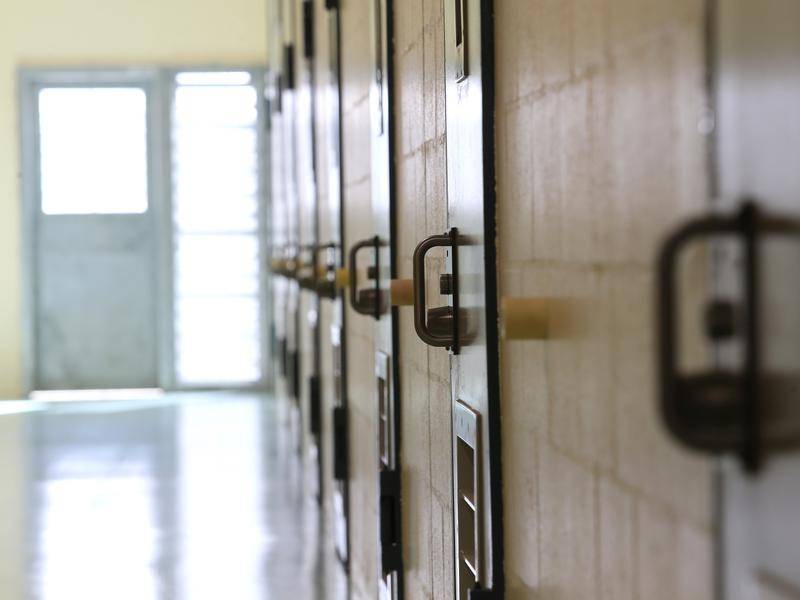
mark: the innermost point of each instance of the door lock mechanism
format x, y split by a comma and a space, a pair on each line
306, 267
725, 410
437, 326
284, 263
401, 292
325, 283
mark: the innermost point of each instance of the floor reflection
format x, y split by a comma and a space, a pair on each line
194, 497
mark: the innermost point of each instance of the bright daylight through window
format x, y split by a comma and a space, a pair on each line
93, 148
217, 233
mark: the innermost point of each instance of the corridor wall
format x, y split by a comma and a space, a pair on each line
599, 155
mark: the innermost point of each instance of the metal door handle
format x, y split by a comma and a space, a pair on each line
688, 416
717, 410
367, 301
436, 327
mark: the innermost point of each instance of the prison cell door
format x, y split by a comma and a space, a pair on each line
744, 406
386, 337
308, 229
279, 246
94, 235
330, 286
288, 123
468, 325
757, 52
285, 253
278, 230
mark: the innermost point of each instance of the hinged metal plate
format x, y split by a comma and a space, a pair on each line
390, 534
340, 449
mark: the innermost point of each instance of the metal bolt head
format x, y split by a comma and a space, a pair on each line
721, 319
446, 284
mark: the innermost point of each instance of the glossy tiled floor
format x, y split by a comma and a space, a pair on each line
192, 497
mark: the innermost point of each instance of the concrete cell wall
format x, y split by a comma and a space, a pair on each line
598, 156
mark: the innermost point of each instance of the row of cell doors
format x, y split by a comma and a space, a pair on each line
144, 229
321, 270
741, 406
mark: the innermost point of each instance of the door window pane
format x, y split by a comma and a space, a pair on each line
93, 150
217, 238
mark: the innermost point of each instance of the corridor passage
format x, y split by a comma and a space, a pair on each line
189, 496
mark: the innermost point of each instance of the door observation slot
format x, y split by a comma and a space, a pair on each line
273, 341
367, 301
438, 327
293, 375
308, 29
288, 67
336, 347
283, 354
391, 550
744, 410
390, 516
277, 101
467, 496
384, 435
461, 39
386, 446
340, 443
315, 405
377, 11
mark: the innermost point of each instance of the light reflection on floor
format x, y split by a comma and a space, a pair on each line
192, 498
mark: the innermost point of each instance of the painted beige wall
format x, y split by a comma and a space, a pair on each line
95, 32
